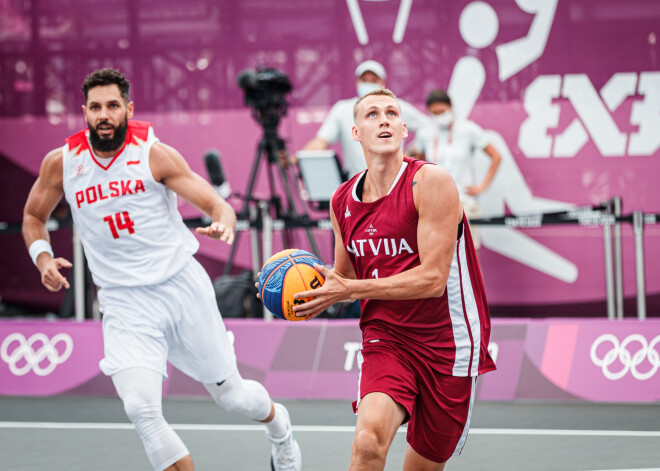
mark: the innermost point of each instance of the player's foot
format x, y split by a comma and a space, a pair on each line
285, 453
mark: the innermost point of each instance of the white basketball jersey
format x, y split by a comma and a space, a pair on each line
129, 224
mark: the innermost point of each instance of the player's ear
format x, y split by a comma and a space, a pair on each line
355, 134
404, 131
129, 109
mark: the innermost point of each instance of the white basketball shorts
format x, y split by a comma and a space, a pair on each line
177, 320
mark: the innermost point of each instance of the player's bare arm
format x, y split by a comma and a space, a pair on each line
496, 158
170, 168
46, 192
335, 278
440, 212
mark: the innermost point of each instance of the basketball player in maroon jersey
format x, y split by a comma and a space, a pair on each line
403, 247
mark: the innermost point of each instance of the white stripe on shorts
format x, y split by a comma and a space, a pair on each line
461, 441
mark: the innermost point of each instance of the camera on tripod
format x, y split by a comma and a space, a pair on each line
265, 89
265, 92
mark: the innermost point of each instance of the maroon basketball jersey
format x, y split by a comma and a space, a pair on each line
451, 332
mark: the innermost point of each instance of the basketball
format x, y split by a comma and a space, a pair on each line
284, 274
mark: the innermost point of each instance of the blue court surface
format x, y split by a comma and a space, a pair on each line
91, 433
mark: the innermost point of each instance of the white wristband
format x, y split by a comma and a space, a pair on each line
38, 247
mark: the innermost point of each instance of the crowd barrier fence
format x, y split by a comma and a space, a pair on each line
261, 225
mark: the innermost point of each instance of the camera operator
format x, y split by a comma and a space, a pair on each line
369, 75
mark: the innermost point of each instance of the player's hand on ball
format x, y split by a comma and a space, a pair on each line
218, 231
334, 289
282, 276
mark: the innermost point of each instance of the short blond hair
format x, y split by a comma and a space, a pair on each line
377, 92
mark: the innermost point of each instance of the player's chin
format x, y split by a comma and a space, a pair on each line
387, 146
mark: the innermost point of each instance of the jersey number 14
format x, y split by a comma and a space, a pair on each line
118, 222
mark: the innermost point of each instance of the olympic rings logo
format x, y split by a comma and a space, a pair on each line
630, 359
33, 359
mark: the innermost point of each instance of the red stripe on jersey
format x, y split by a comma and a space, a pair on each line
137, 130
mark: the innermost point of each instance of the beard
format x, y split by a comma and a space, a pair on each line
108, 144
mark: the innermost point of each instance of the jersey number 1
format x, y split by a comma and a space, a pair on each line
118, 222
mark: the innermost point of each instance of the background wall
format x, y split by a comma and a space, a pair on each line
568, 90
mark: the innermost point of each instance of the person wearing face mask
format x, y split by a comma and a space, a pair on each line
369, 75
451, 143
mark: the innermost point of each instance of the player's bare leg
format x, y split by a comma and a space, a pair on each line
416, 462
271, 416
379, 417
184, 464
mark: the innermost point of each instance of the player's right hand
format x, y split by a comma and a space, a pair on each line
334, 290
49, 268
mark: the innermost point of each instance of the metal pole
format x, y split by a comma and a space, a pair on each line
618, 265
78, 277
267, 242
638, 232
254, 242
609, 278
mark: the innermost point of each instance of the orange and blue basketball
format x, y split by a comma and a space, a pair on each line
284, 274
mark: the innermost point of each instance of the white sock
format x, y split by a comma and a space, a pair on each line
278, 427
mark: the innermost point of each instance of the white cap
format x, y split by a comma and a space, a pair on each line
371, 66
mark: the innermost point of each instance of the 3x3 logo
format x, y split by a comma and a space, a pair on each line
594, 115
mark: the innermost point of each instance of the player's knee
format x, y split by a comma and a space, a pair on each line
161, 443
369, 445
251, 400
233, 401
139, 410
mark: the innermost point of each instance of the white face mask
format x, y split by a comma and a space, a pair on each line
443, 120
365, 87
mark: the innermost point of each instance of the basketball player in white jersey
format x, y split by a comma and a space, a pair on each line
157, 301
403, 247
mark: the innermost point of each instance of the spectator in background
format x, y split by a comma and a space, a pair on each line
452, 143
369, 75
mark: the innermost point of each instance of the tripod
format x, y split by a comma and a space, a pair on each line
269, 148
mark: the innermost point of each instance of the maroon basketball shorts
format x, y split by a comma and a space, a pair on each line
439, 406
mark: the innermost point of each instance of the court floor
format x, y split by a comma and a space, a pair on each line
91, 433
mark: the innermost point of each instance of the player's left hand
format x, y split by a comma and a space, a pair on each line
334, 289
218, 231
